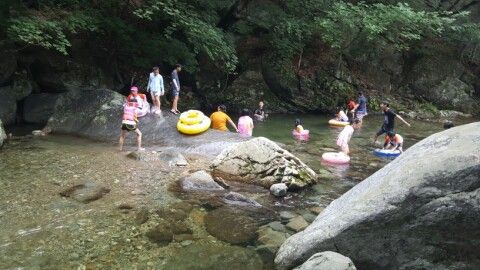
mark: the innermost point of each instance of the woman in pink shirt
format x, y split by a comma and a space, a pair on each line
245, 124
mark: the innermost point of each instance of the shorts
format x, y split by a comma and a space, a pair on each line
129, 127
157, 93
175, 92
383, 130
360, 115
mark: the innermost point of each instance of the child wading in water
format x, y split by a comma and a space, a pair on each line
245, 124
393, 142
345, 136
129, 123
298, 126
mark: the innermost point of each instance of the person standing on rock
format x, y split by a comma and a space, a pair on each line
156, 88
220, 119
175, 88
360, 109
389, 120
129, 123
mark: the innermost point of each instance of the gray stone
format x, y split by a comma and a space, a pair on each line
96, 114
235, 198
278, 190
146, 156
8, 106
86, 192
3, 134
422, 208
173, 158
200, 180
262, 162
277, 226
327, 260
285, 215
38, 108
231, 225
297, 224
271, 238
22, 86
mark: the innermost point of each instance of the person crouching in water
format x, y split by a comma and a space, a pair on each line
129, 123
393, 142
245, 124
220, 119
341, 115
346, 134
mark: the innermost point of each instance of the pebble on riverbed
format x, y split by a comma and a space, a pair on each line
297, 224
85, 193
278, 190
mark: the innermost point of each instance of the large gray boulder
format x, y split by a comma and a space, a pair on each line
421, 211
8, 65
96, 114
327, 260
38, 108
3, 134
262, 162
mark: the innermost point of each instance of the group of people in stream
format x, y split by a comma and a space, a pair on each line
136, 105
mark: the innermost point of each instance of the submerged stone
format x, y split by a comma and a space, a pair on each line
85, 193
231, 225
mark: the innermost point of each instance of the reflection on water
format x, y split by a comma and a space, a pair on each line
145, 220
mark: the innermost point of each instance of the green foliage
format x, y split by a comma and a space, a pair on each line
182, 20
48, 33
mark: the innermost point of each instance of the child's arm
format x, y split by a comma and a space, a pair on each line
232, 124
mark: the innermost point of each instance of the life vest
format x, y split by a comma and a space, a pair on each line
129, 115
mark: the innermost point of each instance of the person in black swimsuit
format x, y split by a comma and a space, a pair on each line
389, 120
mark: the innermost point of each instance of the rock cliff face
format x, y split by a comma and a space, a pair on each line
421, 211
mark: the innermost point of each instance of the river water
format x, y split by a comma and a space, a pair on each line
123, 227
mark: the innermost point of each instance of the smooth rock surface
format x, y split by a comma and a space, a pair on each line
297, 224
421, 209
230, 225
262, 162
85, 193
96, 114
236, 198
200, 180
327, 260
278, 190
38, 108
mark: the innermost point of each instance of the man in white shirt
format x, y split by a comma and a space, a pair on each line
156, 88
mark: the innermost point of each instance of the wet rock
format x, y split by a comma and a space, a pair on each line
221, 182
8, 106
278, 190
277, 226
161, 234
262, 162
38, 108
173, 158
207, 255
200, 180
142, 216
184, 206
403, 211
309, 217
171, 214
235, 198
231, 225
85, 193
327, 260
316, 209
285, 215
271, 238
22, 86
3, 134
146, 156
325, 174
183, 237
38, 133
297, 224
450, 114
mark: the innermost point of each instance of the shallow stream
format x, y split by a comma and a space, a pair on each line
44, 226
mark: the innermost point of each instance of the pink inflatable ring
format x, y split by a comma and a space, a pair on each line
336, 158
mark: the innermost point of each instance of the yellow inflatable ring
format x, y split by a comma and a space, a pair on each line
191, 117
337, 123
195, 128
